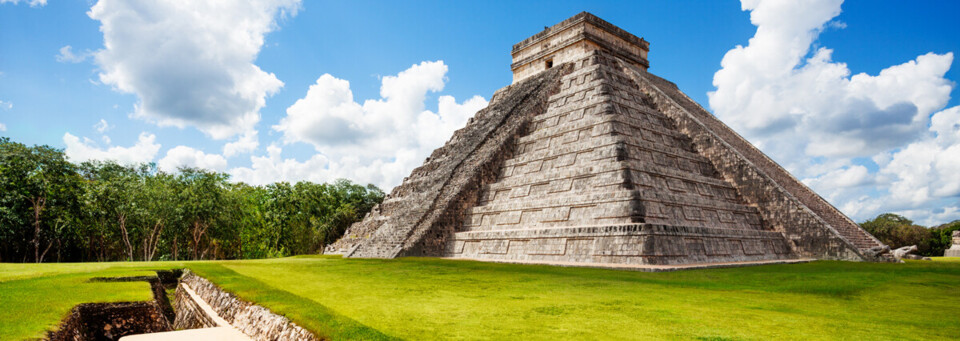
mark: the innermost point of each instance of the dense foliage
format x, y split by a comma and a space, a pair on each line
898, 231
54, 210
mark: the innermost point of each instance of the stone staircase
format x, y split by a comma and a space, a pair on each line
432, 197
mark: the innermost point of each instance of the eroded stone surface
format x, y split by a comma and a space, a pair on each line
954, 250
595, 160
257, 322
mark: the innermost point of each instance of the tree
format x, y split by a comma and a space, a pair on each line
15, 165
161, 208
108, 211
200, 197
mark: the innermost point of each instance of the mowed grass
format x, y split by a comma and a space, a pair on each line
424, 298
35, 297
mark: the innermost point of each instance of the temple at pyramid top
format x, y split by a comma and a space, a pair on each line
588, 159
573, 38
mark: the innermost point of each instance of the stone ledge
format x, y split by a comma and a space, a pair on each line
646, 267
615, 230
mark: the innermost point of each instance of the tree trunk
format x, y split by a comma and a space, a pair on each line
126, 238
103, 247
44, 254
38, 204
198, 231
151, 241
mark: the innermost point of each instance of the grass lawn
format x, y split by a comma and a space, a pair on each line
423, 298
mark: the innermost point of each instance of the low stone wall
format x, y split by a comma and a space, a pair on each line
110, 321
255, 321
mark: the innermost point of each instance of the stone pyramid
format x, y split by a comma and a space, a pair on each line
588, 159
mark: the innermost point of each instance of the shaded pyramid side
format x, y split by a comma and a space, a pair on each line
431, 200
814, 227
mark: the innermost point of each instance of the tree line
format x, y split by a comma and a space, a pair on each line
898, 231
52, 210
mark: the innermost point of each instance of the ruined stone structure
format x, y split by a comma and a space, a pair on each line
201, 304
588, 159
954, 250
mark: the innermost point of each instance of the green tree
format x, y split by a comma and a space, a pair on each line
200, 196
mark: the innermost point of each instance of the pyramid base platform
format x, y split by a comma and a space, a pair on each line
621, 246
648, 267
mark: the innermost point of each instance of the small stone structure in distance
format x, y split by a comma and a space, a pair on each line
954, 250
588, 159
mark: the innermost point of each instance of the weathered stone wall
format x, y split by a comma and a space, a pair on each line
189, 315
597, 145
597, 163
646, 244
781, 199
110, 321
416, 216
572, 39
954, 250
257, 322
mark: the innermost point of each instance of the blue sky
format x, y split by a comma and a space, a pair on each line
165, 88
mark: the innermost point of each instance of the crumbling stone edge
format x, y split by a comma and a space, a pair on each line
99, 321
255, 321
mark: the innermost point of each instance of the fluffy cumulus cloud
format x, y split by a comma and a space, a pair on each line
32, 3
869, 143
144, 150
3, 127
378, 141
183, 156
191, 63
246, 143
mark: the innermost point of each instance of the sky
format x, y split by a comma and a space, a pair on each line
857, 99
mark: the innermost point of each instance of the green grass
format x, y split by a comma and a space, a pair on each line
35, 297
424, 298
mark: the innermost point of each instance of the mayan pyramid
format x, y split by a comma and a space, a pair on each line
588, 159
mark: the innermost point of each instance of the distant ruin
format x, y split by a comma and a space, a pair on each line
588, 159
954, 250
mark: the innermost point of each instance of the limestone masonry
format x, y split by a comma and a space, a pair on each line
588, 159
954, 250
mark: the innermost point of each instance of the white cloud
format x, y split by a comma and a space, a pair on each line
3, 127
191, 63
247, 143
810, 114
928, 169
272, 168
183, 156
379, 141
66, 55
102, 126
6, 105
32, 3
84, 150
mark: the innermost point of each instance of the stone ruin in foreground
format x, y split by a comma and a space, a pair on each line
588, 159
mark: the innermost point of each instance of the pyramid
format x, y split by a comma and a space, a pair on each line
588, 159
